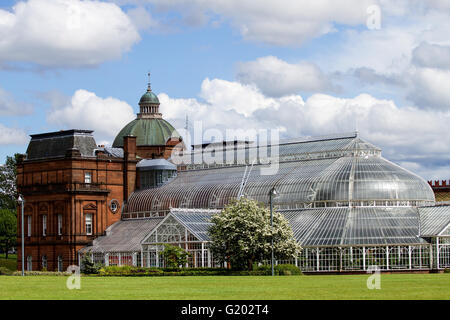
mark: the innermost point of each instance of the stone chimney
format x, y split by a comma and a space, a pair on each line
130, 161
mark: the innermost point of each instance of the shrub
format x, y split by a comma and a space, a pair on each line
139, 271
41, 273
88, 266
288, 269
128, 271
281, 269
446, 270
5, 271
174, 256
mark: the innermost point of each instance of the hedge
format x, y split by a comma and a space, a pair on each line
131, 271
41, 273
281, 269
284, 269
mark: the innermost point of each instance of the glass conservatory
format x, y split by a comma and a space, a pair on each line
348, 207
333, 241
340, 172
186, 229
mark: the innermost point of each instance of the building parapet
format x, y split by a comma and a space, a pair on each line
439, 183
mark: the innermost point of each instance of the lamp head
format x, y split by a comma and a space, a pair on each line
20, 199
273, 192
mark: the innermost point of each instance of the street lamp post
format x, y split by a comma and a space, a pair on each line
272, 194
22, 203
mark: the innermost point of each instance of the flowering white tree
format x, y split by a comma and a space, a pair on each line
241, 234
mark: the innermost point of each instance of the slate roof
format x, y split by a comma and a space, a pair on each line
124, 236
56, 144
114, 152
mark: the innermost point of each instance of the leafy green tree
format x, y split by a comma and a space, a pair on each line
8, 229
174, 256
241, 234
8, 189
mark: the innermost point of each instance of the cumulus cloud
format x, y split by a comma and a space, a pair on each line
65, 33
11, 107
406, 134
12, 136
410, 53
276, 77
85, 110
430, 88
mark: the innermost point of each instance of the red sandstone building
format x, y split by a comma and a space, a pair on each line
441, 190
74, 189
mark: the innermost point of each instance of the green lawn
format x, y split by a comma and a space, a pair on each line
10, 263
393, 286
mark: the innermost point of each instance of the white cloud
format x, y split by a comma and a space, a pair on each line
430, 88
11, 107
226, 95
275, 77
65, 33
12, 136
283, 22
107, 116
432, 56
406, 134
141, 18
438, 4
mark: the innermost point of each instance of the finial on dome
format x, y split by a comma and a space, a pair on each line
149, 87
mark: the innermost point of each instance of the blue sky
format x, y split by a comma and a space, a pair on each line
306, 68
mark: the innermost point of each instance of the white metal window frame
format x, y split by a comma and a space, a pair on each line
60, 263
44, 225
29, 221
87, 177
60, 217
88, 223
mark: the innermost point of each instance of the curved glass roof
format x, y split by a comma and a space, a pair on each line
346, 177
331, 226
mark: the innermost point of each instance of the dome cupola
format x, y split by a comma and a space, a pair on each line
149, 104
155, 137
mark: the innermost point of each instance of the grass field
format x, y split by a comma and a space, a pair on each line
10, 263
393, 286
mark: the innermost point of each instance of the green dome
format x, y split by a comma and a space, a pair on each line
149, 97
148, 132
